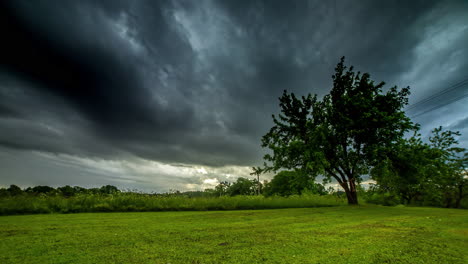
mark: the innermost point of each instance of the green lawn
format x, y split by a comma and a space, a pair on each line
366, 234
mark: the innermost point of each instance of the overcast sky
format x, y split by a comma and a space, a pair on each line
159, 95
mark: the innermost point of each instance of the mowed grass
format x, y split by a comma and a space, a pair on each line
343, 234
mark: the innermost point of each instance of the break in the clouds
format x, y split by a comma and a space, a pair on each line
176, 94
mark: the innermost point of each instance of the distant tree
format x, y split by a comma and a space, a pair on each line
242, 186
209, 192
14, 190
81, 190
42, 189
287, 183
317, 188
341, 136
4, 192
221, 188
257, 187
109, 189
66, 191
280, 184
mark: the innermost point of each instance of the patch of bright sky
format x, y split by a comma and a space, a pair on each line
133, 173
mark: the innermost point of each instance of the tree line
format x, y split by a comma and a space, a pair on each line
65, 191
284, 184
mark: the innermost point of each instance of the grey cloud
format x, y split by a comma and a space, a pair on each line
462, 124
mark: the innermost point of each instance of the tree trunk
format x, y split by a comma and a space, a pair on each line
258, 184
448, 202
351, 193
352, 198
460, 196
406, 199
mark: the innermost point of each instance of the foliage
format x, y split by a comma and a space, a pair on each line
287, 183
41, 189
66, 191
364, 234
451, 180
222, 188
425, 174
376, 195
109, 189
341, 136
14, 190
242, 186
406, 169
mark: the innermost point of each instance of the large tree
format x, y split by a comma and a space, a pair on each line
341, 136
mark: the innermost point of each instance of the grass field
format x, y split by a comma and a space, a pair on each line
343, 234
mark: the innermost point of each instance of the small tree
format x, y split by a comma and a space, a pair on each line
407, 170
14, 190
452, 164
109, 189
66, 191
286, 183
431, 174
221, 188
242, 186
341, 136
42, 189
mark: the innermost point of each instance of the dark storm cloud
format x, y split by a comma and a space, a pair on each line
8, 112
86, 66
197, 81
69, 51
